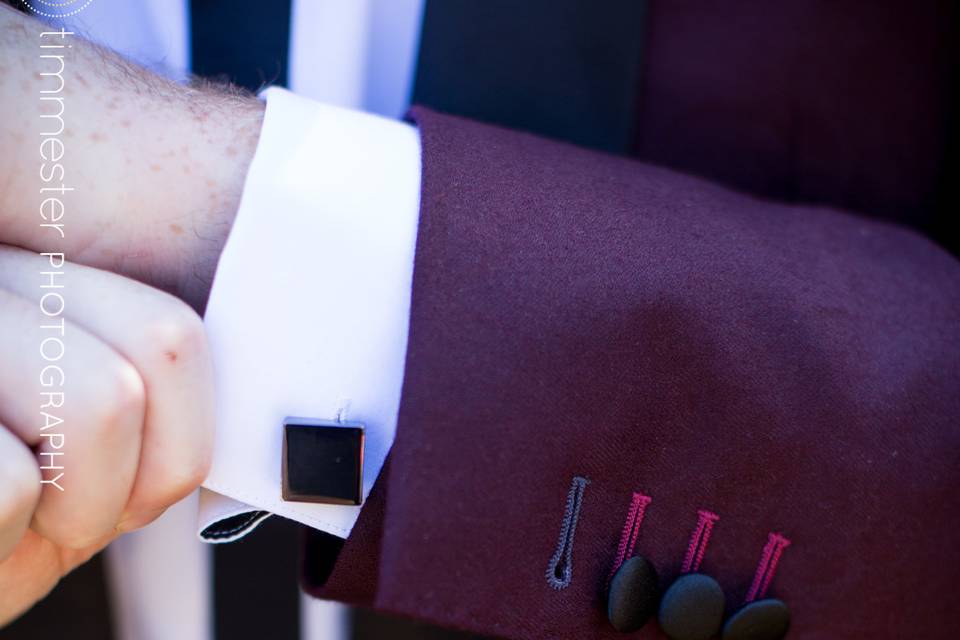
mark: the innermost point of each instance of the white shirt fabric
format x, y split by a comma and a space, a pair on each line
309, 309
359, 54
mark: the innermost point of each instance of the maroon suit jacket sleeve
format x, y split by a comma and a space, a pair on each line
783, 378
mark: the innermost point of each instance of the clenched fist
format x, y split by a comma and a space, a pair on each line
107, 383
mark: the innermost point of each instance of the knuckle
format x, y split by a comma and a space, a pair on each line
21, 490
186, 475
175, 333
183, 480
121, 395
173, 479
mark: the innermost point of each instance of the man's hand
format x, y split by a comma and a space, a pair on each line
127, 412
150, 171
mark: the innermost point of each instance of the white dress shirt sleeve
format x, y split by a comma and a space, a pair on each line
309, 311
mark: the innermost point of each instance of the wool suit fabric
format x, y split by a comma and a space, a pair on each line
792, 369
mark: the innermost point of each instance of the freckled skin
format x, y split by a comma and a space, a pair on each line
177, 229
181, 157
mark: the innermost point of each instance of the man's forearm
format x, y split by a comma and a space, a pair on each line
117, 167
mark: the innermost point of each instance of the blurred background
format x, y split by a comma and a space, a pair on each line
255, 596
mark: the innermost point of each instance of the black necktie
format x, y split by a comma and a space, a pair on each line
243, 41
565, 69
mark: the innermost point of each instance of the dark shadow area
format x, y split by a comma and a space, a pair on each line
368, 625
77, 609
256, 583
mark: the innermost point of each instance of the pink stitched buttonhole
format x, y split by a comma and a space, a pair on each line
767, 566
631, 528
699, 540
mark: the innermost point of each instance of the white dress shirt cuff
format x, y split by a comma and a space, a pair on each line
309, 311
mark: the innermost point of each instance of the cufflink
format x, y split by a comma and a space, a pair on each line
322, 461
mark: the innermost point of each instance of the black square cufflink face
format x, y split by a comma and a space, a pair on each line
322, 461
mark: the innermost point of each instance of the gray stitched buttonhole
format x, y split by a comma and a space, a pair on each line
560, 569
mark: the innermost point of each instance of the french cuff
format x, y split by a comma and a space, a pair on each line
309, 310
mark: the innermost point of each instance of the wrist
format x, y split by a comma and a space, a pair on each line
195, 184
150, 172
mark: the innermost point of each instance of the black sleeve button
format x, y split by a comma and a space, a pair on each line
633, 594
761, 620
692, 608
322, 461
